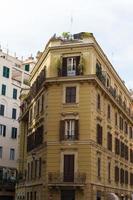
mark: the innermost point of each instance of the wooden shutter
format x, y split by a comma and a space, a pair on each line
64, 67
117, 146
99, 134
126, 152
62, 129
109, 141
122, 176
68, 168
76, 129
77, 65
116, 174
126, 177
122, 149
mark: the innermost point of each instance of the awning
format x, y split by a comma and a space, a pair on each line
112, 196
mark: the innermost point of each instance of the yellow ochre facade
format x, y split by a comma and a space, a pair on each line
76, 126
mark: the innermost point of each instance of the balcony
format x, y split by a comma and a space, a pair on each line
8, 184
101, 76
57, 179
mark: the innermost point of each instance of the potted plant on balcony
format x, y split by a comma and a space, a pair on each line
58, 66
81, 66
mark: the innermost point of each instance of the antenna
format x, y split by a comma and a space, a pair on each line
71, 23
7, 49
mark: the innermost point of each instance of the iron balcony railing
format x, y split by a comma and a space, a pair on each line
58, 178
8, 183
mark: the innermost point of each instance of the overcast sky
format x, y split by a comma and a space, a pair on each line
27, 25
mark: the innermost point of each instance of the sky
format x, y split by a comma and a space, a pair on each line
27, 25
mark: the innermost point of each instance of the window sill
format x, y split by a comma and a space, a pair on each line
70, 105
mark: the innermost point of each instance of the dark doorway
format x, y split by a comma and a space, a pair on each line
68, 168
98, 195
6, 198
67, 194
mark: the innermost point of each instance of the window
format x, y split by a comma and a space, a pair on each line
1, 151
126, 127
99, 167
14, 111
98, 102
40, 167
109, 112
2, 109
122, 150
109, 171
126, 177
12, 154
2, 130
99, 134
3, 90
6, 71
31, 196
31, 170
131, 155
126, 152
38, 106
121, 123
130, 132
42, 103
36, 164
70, 94
122, 176
14, 93
14, 133
109, 141
69, 129
108, 81
70, 66
27, 67
117, 146
116, 119
28, 171
35, 195
116, 174
131, 179
28, 196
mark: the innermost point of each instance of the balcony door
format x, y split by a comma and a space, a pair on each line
67, 194
68, 168
70, 66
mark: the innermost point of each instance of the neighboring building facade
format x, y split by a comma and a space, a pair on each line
76, 126
13, 75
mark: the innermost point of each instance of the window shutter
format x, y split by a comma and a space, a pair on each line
109, 140
116, 174
4, 131
62, 129
101, 132
76, 129
126, 152
117, 146
64, 67
77, 65
126, 177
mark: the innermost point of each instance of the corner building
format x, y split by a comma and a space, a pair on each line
76, 123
